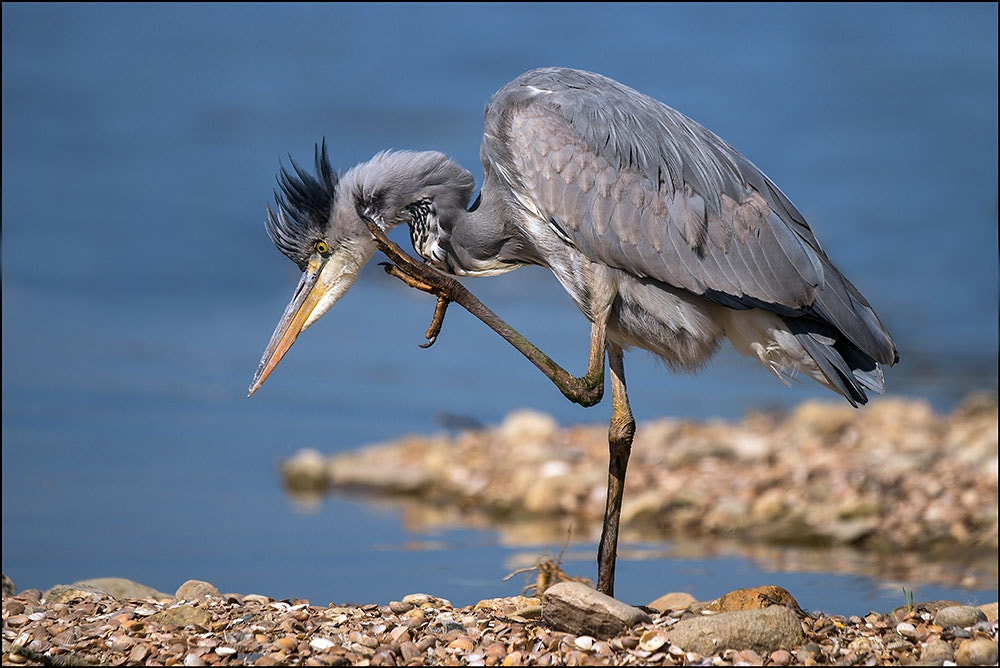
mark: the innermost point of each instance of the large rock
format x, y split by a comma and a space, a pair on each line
74, 592
122, 588
576, 608
764, 631
117, 588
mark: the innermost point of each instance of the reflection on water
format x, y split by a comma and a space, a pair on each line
958, 569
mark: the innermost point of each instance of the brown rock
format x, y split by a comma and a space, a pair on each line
753, 598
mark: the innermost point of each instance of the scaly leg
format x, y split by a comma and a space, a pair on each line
620, 435
586, 390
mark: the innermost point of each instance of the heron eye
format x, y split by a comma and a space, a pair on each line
322, 247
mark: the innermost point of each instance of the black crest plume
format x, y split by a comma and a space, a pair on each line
303, 206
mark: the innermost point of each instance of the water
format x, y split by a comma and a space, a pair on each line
140, 144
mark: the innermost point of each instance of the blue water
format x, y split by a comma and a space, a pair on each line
140, 145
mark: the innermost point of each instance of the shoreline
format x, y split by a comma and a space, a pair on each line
569, 624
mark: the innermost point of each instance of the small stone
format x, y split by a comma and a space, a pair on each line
138, 654
497, 651
936, 653
809, 654
194, 590
673, 601
653, 640
426, 601
528, 426
399, 607
977, 652
906, 629
584, 642
321, 644
515, 658
414, 617
183, 615
306, 471
225, 651
746, 657
409, 651
860, 646
444, 624
781, 657
959, 615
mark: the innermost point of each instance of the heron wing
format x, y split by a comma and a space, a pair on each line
638, 186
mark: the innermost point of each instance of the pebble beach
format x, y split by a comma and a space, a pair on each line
895, 478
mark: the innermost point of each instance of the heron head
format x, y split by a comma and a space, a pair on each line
317, 223
321, 234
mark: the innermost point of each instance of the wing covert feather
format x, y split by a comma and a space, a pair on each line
638, 186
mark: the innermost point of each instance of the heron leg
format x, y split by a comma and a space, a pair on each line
620, 434
586, 390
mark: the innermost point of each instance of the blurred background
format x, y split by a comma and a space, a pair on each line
140, 146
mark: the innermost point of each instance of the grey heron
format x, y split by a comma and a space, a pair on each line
665, 236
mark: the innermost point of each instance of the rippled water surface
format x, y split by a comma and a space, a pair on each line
140, 144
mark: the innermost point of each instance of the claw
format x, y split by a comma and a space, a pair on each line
436, 322
412, 281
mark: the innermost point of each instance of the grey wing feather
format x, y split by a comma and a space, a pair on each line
641, 187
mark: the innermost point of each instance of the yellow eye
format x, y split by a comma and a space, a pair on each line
322, 247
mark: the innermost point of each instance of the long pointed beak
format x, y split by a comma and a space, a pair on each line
295, 318
324, 281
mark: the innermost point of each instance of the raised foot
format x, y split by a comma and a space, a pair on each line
439, 309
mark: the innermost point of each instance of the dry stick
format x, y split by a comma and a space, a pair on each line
586, 390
